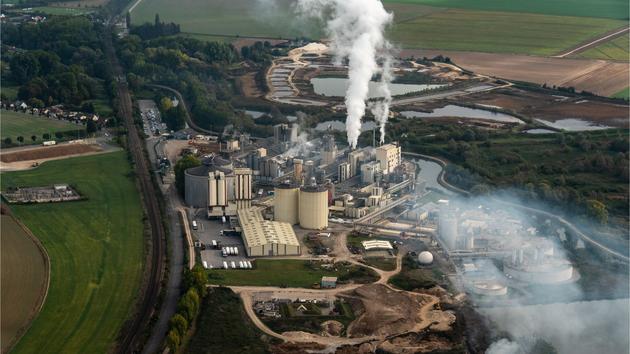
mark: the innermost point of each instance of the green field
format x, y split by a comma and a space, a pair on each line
416, 25
501, 32
275, 272
615, 9
14, 124
95, 248
10, 91
615, 49
67, 11
625, 93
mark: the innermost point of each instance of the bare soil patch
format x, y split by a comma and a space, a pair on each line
47, 152
553, 108
597, 76
386, 311
24, 280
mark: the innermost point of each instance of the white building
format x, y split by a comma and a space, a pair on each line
389, 156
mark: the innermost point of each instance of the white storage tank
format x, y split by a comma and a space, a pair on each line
286, 203
313, 203
425, 258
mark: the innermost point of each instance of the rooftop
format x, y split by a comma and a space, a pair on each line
257, 231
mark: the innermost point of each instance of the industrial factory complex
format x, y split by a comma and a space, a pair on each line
268, 194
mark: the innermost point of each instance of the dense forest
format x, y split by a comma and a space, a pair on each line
584, 173
57, 61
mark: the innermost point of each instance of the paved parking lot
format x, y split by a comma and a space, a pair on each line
151, 119
208, 230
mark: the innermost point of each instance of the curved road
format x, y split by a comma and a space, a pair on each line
342, 254
442, 181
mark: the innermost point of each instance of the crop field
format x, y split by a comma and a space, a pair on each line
416, 24
615, 49
95, 248
500, 32
24, 279
614, 9
14, 124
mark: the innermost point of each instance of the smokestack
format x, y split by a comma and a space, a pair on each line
297, 170
356, 29
520, 256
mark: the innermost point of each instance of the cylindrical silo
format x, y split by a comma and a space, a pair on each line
286, 203
313, 207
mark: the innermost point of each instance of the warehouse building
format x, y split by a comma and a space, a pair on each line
264, 238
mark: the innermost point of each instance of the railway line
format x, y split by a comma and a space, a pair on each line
131, 336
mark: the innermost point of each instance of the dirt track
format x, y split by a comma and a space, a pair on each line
598, 76
402, 319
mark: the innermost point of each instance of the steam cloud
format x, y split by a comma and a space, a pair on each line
356, 29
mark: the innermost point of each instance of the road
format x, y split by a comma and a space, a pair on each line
131, 335
176, 268
442, 181
594, 42
189, 121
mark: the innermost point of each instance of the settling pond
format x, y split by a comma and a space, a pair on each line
452, 110
336, 87
573, 124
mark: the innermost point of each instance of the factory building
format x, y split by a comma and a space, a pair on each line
313, 207
355, 158
329, 150
218, 186
243, 188
196, 180
283, 133
369, 171
264, 238
343, 171
286, 203
389, 156
254, 157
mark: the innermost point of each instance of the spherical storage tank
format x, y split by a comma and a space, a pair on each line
313, 203
425, 258
286, 203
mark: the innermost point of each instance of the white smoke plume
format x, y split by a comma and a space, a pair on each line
356, 29
380, 108
504, 346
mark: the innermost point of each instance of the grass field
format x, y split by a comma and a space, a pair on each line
14, 124
24, 279
615, 9
10, 91
66, 11
96, 253
500, 32
615, 49
274, 272
416, 25
625, 93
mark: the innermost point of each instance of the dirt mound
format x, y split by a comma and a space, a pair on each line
386, 311
47, 152
295, 348
332, 328
413, 343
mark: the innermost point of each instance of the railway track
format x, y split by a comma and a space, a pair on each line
132, 334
